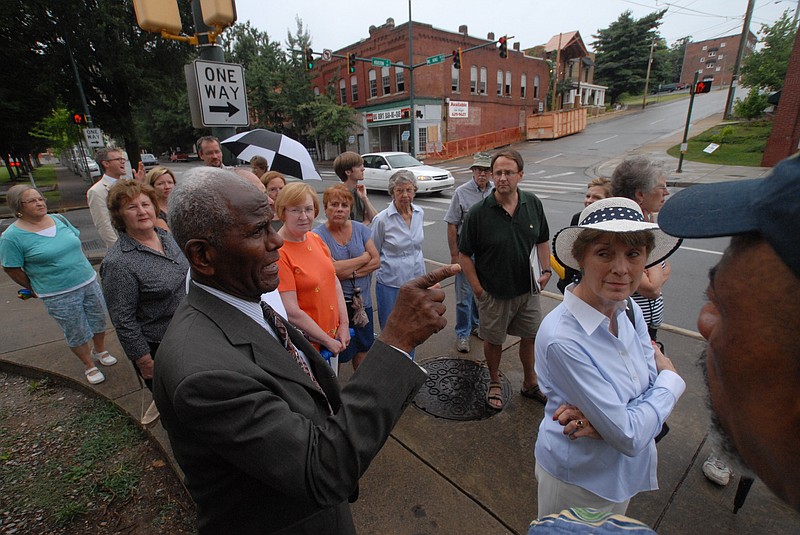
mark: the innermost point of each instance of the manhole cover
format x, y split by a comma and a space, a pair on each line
456, 389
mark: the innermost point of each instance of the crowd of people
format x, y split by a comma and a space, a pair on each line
229, 278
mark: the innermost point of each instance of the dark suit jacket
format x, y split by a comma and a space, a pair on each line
254, 436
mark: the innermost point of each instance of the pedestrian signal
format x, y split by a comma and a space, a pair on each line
702, 87
79, 119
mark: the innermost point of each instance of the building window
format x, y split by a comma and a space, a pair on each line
473, 80
343, 91
455, 82
712, 52
722, 44
483, 81
422, 145
354, 87
710, 65
523, 85
536, 86
385, 80
508, 83
400, 79
499, 83
702, 60
718, 69
373, 84
316, 91
705, 47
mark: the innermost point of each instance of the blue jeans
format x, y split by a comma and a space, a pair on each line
466, 307
386, 296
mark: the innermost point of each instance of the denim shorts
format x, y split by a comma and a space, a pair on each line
362, 341
81, 313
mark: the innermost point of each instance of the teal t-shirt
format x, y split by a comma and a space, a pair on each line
53, 264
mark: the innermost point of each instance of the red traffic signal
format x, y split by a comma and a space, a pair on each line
702, 87
79, 119
457, 58
503, 46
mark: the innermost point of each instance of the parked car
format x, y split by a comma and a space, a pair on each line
149, 160
90, 165
379, 166
179, 157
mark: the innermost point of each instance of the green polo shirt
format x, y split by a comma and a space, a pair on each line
501, 244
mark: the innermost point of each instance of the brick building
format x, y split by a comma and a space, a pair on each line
784, 140
714, 58
487, 94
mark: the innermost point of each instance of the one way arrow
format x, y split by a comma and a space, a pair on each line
230, 109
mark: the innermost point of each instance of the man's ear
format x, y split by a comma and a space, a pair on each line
201, 256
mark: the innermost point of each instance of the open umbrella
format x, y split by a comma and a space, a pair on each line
283, 153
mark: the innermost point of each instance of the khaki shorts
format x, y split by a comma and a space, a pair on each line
517, 316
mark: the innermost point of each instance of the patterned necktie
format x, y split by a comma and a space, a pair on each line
277, 325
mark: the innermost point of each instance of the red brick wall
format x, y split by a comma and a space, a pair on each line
488, 112
785, 136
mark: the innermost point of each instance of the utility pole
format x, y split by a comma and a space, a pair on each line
555, 75
647, 77
751, 4
413, 137
684, 144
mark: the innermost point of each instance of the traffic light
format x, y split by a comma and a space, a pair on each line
457, 58
309, 58
79, 119
503, 46
702, 87
351, 62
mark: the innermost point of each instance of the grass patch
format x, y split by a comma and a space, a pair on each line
740, 143
44, 175
636, 100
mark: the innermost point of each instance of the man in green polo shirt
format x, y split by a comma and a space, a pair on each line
500, 232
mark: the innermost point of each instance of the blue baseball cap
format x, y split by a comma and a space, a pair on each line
769, 206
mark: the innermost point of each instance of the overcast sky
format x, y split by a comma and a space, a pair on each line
335, 25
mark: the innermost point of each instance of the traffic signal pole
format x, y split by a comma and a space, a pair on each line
688, 120
211, 51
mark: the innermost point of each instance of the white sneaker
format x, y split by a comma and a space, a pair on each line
462, 345
104, 358
717, 471
94, 376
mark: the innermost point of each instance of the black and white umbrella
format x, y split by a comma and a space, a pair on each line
283, 153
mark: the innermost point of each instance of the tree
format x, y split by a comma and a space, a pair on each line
623, 50
332, 123
765, 69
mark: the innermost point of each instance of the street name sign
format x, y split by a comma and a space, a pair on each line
433, 60
94, 137
217, 94
381, 62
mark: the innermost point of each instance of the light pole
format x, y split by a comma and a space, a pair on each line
413, 137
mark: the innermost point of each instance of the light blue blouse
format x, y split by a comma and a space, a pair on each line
614, 382
399, 245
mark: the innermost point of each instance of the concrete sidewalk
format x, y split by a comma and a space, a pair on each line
440, 476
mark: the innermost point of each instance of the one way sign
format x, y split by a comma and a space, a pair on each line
217, 94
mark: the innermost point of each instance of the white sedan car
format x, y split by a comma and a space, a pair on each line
379, 166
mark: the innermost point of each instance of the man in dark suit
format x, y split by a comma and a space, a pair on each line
266, 446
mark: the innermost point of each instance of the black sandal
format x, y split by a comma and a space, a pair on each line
533, 392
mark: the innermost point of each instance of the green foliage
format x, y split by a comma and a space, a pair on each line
724, 135
623, 50
57, 129
752, 106
765, 69
331, 122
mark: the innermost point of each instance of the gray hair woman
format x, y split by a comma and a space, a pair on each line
42, 253
645, 181
603, 377
398, 235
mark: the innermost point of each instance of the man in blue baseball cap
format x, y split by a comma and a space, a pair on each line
752, 317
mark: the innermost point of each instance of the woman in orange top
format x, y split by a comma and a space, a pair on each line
309, 288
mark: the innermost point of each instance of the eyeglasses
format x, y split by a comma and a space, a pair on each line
482, 171
121, 160
407, 191
504, 172
662, 187
40, 199
308, 210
